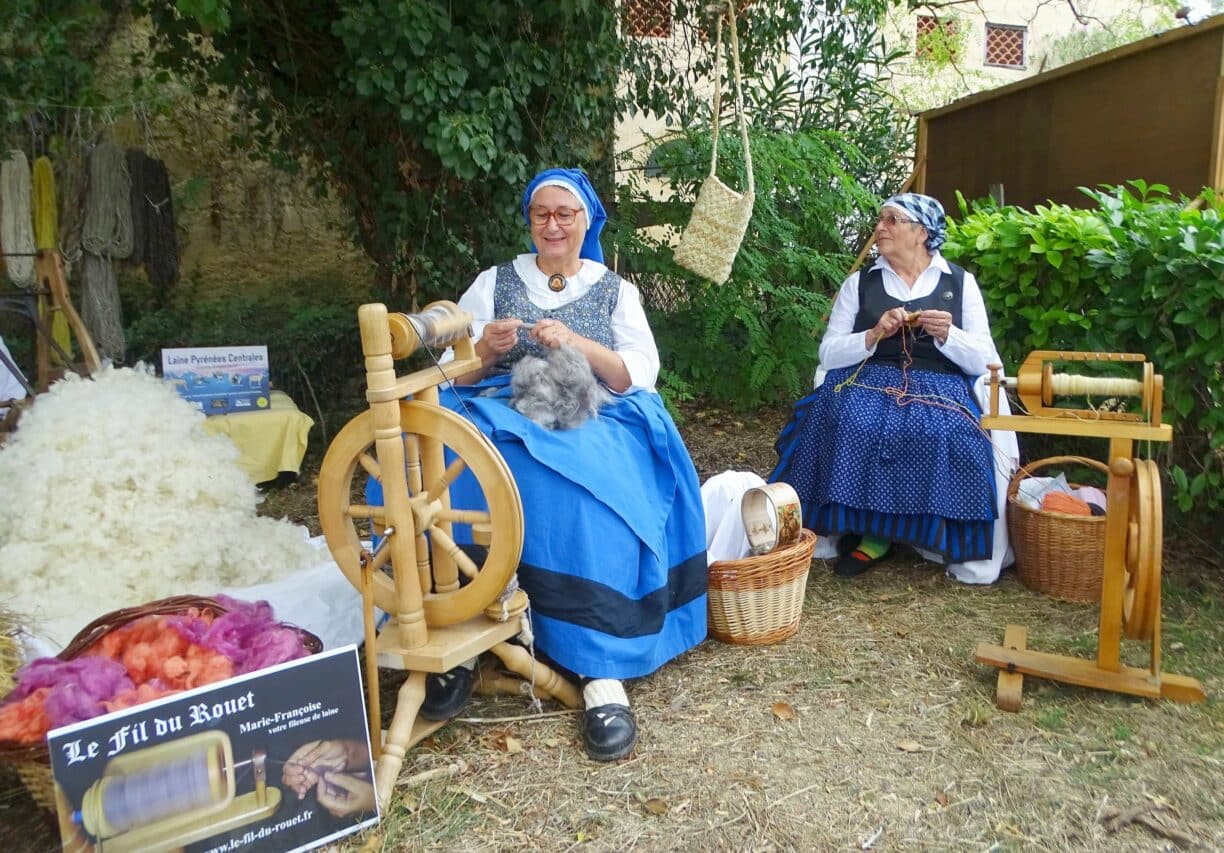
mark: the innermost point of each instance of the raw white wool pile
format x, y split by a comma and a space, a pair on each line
113, 495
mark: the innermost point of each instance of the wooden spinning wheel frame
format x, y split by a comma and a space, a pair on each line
352, 456
1130, 588
417, 449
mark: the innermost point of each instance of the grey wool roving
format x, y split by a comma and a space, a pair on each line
557, 392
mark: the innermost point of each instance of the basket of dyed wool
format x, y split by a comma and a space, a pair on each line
1059, 551
132, 656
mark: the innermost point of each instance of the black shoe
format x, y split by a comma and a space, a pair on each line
847, 542
446, 694
609, 732
855, 562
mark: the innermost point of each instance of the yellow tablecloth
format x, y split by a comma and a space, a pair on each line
270, 441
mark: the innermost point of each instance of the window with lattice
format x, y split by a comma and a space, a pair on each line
648, 18
936, 39
1005, 45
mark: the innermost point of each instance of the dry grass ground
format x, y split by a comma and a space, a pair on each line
871, 728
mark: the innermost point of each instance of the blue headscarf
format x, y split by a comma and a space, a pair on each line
576, 181
929, 213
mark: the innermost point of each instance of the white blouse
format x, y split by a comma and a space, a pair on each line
631, 336
969, 346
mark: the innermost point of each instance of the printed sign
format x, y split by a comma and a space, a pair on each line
219, 380
271, 761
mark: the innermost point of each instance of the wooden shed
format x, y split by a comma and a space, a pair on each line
1153, 109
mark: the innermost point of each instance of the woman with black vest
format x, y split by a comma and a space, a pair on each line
888, 449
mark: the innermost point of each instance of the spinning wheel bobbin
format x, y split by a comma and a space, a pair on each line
1130, 589
167, 796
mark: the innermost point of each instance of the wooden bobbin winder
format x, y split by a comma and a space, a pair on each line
416, 448
1130, 589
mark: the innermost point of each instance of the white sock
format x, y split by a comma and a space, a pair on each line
604, 691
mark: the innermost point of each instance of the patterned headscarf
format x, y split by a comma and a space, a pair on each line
929, 213
576, 181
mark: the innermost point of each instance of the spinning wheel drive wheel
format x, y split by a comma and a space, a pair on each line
352, 456
1144, 541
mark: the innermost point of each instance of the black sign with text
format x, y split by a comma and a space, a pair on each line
271, 761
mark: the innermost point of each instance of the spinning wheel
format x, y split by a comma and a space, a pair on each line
351, 457
417, 449
1141, 605
1130, 586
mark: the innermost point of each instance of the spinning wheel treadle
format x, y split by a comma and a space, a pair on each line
351, 457
1141, 605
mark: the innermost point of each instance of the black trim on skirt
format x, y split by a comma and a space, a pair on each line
590, 604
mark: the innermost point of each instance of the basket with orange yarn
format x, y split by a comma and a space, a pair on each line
756, 601
196, 662
1059, 553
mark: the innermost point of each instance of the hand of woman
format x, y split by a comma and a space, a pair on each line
890, 321
498, 338
313, 759
935, 323
344, 794
553, 334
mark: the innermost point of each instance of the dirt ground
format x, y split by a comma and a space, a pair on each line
872, 728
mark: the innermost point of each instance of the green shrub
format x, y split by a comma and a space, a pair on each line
754, 338
1141, 272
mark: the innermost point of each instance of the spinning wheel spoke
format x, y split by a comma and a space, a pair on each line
412, 463
465, 516
449, 476
362, 512
462, 561
369, 464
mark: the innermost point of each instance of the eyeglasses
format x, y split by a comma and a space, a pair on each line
563, 215
891, 219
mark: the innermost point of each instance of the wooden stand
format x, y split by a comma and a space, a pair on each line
40, 306
405, 441
1130, 589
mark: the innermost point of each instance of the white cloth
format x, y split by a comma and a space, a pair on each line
317, 597
721, 496
971, 348
10, 387
631, 336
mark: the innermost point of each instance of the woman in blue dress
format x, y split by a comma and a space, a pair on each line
614, 547
888, 448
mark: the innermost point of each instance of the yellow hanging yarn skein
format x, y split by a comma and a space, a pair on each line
46, 236
46, 214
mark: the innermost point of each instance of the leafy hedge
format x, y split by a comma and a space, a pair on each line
1140, 272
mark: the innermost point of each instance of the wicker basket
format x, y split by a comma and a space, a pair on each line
757, 600
32, 761
1058, 554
